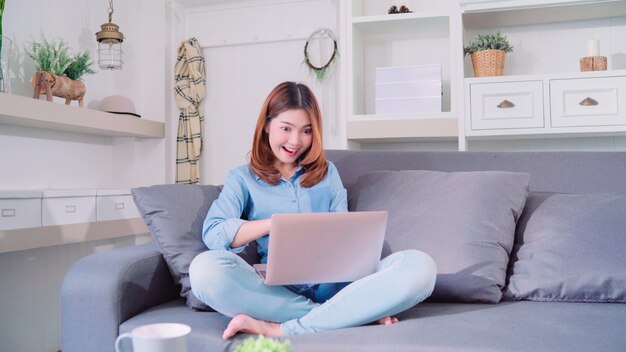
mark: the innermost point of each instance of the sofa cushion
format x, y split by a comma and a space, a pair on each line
174, 215
442, 327
572, 248
464, 220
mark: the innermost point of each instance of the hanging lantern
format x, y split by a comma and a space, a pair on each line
110, 44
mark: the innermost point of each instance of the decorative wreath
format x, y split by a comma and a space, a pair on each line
320, 72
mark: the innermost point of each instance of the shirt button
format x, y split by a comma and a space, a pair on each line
293, 201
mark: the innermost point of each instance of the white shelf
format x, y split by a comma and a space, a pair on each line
528, 13
28, 112
402, 128
396, 23
46, 236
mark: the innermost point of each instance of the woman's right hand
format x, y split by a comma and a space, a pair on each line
250, 231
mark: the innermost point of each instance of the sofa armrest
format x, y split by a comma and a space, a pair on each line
102, 290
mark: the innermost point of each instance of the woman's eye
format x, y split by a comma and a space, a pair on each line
284, 129
307, 131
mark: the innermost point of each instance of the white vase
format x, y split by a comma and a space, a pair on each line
5, 54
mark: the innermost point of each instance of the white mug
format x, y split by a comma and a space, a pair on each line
165, 337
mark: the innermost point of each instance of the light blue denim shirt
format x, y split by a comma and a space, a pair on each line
246, 193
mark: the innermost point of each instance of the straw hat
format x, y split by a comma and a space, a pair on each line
118, 104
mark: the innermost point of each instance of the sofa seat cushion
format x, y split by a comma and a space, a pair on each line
506, 326
464, 220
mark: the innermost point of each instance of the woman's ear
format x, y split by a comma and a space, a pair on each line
267, 127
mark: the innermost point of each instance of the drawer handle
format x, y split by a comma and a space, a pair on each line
119, 205
8, 213
505, 104
588, 102
70, 208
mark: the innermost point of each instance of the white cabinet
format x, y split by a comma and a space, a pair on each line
506, 105
587, 103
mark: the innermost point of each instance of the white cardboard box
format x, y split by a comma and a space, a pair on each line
114, 204
68, 206
20, 209
408, 105
408, 89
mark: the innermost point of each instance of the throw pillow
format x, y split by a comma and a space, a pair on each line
573, 248
464, 220
174, 215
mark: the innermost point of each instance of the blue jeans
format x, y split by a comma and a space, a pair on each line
229, 285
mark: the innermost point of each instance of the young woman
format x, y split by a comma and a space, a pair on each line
288, 173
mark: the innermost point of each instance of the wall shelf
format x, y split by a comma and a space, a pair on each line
46, 236
397, 129
27, 112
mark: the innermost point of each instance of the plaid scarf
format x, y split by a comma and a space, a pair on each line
189, 90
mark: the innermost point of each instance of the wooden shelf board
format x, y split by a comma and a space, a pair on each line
27, 112
400, 130
46, 236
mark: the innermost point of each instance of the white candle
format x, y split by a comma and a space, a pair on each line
593, 47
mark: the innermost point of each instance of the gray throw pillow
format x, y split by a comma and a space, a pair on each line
174, 215
464, 220
572, 248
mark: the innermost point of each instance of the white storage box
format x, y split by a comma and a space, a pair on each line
114, 204
408, 89
20, 209
395, 74
408, 105
68, 206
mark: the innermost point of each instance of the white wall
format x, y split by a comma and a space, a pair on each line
30, 158
34, 158
249, 48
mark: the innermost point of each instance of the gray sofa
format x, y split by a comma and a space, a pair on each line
555, 293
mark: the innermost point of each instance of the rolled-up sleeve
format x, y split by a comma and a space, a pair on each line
224, 217
339, 202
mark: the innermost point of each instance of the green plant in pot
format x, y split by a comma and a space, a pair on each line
2, 78
487, 52
58, 73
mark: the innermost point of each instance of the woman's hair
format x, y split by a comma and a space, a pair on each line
289, 96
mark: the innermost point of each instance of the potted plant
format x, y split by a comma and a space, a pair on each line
58, 73
487, 52
263, 344
2, 63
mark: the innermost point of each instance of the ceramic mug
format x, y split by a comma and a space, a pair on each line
165, 337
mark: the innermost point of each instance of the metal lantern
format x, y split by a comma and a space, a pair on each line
110, 44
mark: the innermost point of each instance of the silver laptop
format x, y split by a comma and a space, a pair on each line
310, 248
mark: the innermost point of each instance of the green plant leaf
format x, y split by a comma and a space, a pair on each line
263, 344
495, 41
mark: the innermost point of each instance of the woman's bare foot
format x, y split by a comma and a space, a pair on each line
245, 323
387, 320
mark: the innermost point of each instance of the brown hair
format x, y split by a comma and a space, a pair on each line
289, 96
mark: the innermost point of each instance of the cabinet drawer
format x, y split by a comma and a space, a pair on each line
68, 208
506, 105
20, 210
588, 102
114, 207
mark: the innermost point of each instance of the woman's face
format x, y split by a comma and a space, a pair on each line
290, 135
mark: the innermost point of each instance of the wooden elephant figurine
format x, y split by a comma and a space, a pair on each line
45, 82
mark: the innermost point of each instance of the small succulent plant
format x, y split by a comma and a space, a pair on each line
81, 65
263, 344
488, 42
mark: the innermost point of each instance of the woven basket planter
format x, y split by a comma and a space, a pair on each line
488, 63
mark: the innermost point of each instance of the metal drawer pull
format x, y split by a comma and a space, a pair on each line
588, 102
119, 205
70, 208
505, 104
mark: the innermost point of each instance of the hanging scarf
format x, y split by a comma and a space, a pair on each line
189, 91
